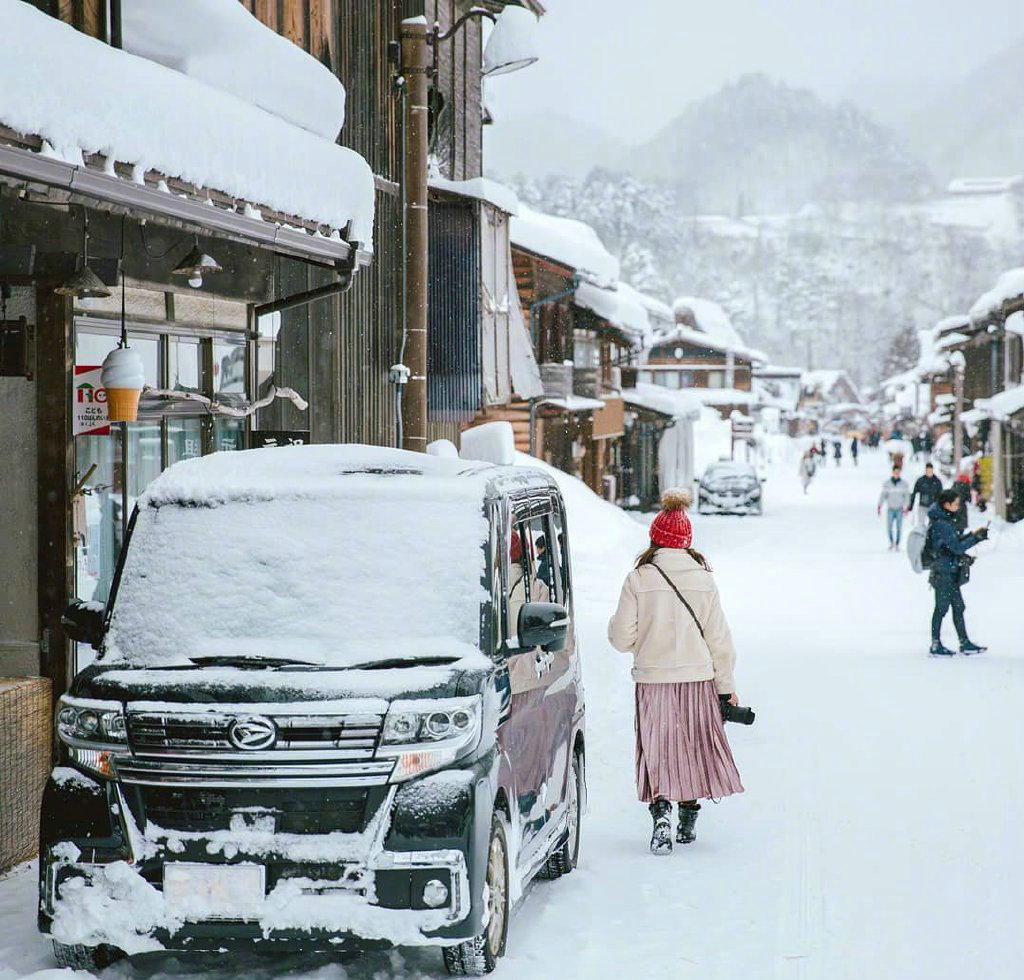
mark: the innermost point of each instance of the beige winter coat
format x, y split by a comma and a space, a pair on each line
653, 625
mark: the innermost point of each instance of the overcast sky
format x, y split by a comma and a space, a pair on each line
632, 65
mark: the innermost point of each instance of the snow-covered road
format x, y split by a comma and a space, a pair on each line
879, 835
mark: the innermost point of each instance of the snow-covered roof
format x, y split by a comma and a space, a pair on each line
679, 404
985, 185
823, 380
691, 336
481, 189
573, 403
657, 310
569, 242
711, 319
1003, 405
616, 305
778, 371
724, 396
1010, 285
219, 43
156, 119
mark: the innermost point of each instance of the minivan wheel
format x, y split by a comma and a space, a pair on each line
79, 957
478, 956
568, 854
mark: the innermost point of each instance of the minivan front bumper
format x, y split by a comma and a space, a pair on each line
336, 891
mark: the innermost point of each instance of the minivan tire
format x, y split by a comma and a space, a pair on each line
565, 859
478, 956
79, 957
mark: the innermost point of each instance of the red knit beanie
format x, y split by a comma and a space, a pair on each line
672, 528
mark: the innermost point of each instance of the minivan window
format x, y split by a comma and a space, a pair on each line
327, 579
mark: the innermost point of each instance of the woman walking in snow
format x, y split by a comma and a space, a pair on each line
807, 468
670, 618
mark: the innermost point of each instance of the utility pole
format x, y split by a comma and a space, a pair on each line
415, 69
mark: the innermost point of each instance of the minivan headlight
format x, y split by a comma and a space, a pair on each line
93, 732
424, 736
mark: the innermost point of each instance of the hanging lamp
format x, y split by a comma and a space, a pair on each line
195, 265
84, 283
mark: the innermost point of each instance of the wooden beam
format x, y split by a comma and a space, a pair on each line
266, 11
94, 18
295, 21
55, 469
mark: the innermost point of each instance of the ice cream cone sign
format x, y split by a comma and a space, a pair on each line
123, 377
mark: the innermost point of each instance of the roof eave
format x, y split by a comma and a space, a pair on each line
27, 168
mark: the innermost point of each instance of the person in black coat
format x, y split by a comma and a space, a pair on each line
854, 448
949, 571
926, 491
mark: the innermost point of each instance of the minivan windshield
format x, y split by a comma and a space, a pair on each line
331, 579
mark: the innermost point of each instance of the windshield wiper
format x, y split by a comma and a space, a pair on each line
240, 660
404, 662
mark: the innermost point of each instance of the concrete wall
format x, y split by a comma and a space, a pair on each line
19, 619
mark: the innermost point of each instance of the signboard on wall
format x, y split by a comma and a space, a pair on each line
262, 438
89, 402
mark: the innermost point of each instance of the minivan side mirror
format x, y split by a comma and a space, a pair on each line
83, 622
544, 625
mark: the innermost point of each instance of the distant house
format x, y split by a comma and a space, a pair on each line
703, 351
828, 387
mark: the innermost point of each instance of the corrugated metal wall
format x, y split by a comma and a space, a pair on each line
453, 360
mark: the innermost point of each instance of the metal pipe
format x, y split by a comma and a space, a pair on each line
415, 69
124, 483
116, 40
403, 109
343, 285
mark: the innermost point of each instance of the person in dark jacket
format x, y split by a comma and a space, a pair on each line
855, 448
926, 491
962, 485
948, 571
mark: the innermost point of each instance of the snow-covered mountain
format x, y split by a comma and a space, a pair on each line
975, 128
759, 145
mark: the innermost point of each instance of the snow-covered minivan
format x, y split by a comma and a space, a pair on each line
337, 704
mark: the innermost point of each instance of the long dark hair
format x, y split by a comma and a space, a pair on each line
647, 557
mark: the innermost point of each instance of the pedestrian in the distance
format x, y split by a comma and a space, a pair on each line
670, 618
823, 449
895, 497
807, 468
950, 570
855, 449
926, 491
837, 451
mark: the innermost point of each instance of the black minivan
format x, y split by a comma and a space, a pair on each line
337, 704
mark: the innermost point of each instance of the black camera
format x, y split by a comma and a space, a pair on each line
736, 713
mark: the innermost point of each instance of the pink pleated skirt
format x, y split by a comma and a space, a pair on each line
682, 752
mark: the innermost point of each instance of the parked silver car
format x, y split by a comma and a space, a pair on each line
730, 487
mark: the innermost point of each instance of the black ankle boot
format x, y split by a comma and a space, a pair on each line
661, 837
687, 819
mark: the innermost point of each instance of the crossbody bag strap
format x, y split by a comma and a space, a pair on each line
682, 599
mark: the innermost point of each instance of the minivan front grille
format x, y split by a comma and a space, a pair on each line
316, 744
165, 733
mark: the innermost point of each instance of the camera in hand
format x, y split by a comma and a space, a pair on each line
736, 713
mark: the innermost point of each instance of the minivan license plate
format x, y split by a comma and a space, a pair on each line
214, 891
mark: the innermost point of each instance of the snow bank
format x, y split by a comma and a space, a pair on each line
155, 118
220, 43
597, 529
712, 440
569, 242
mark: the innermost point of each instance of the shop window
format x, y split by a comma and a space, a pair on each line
716, 379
